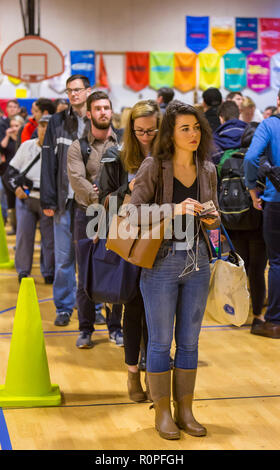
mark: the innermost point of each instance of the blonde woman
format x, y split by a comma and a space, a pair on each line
117, 179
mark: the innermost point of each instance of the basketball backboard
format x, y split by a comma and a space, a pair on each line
32, 59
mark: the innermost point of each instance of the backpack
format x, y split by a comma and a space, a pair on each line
236, 206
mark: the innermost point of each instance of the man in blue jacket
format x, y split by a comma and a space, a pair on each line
266, 140
229, 133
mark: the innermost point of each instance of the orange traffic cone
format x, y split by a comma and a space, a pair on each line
28, 379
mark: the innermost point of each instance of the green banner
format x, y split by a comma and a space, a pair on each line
161, 69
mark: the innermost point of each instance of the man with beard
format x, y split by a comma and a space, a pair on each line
56, 194
84, 168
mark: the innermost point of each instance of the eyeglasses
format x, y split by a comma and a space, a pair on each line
141, 132
77, 91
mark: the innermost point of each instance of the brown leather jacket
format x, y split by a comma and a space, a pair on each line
145, 188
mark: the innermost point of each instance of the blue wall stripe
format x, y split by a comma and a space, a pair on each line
4, 434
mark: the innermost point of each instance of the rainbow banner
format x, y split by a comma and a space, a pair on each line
161, 69
246, 34
222, 34
184, 71
235, 71
197, 33
209, 70
258, 72
270, 35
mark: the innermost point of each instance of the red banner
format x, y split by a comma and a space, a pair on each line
270, 35
137, 70
102, 76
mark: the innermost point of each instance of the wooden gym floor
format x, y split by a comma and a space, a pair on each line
237, 395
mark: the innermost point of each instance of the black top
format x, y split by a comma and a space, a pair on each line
184, 226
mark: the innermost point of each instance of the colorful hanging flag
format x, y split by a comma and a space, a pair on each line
161, 69
235, 71
102, 75
184, 71
246, 34
209, 70
137, 70
258, 72
222, 34
275, 71
83, 62
197, 33
270, 35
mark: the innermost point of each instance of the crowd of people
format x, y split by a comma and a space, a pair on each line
73, 153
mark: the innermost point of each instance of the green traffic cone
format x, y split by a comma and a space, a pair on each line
28, 379
5, 261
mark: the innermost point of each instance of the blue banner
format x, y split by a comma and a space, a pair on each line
197, 34
83, 62
246, 34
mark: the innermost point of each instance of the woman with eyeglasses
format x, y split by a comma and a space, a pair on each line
175, 289
117, 179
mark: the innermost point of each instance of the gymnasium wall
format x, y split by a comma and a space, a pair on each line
124, 25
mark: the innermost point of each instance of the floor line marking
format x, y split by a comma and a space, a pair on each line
5, 441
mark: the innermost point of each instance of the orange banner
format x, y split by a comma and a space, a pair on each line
184, 71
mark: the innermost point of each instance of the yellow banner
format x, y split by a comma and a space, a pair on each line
184, 71
209, 70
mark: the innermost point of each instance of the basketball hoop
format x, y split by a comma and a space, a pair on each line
32, 59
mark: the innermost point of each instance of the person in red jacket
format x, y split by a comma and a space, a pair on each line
39, 108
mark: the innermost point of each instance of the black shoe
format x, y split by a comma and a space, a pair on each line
62, 319
49, 279
21, 276
257, 326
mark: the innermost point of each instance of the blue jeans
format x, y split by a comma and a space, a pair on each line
271, 234
64, 286
167, 296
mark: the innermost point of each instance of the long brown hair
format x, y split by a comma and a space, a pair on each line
131, 153
164, 147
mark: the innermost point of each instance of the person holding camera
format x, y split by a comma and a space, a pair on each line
26, 186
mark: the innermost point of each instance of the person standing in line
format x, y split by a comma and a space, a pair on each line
56, 194
29, 210
266, 139
84, 179
164, 96
8, 150
117, 179
177, 285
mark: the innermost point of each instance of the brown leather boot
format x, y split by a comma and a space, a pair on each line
135, 390
183, 388
159, 384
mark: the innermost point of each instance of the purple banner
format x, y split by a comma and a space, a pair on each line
258, 72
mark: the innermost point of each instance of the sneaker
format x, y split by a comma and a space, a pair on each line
99, 318
62, 319
116, 337
84, 340
49, 279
